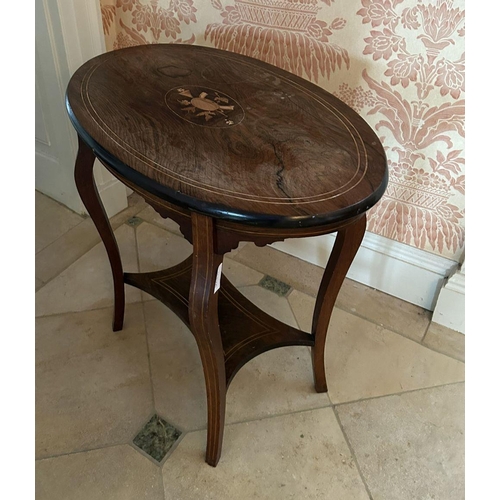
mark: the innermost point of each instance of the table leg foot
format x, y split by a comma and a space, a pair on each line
204, 323
87, 190
346, 246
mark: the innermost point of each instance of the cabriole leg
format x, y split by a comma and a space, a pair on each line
204, 323
346, 246
87, 189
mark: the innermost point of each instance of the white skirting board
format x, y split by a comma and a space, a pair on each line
400, 270
450, 307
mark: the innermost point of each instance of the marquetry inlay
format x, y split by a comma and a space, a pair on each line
204, 106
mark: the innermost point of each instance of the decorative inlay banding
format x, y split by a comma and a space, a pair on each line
204, 106
319, 195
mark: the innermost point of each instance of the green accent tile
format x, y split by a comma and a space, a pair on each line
134, 221
156, 438
274, 285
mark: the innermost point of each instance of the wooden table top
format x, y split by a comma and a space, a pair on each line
227, 135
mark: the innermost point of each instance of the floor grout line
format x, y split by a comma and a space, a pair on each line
82, 216
426, 332
60, 236
148, 351
84, 450
59, 272
294, 316
238, 422
160, 226
266, 417
398, 393
98, 241
351, 449
388, 328
65, 313
376, 324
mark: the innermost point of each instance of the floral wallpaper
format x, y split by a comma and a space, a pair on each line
399, 63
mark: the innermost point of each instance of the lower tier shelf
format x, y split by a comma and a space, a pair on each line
246, 330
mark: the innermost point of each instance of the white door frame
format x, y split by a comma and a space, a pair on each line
76, 35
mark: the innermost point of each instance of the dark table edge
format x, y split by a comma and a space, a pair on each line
222, 211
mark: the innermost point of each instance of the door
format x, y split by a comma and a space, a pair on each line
61, 45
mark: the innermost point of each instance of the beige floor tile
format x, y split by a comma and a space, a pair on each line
52, 220
299, 456
77, 241
149, 214
276, 382
38, 284
160, 249
303, 308
88, 283
364, 360
135, 205
383, 309
92, 384
297, 273
67, 249
116, 473
410, 446
176, 369
271, 303
409, 320
445, 340
239, 274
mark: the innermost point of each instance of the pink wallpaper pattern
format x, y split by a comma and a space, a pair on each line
399, 63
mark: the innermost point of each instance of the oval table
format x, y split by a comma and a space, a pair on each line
232, 149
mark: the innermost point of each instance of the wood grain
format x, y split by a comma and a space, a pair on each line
85, 183
233, 150
255, 145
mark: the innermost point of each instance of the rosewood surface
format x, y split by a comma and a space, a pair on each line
233, 150
227, 135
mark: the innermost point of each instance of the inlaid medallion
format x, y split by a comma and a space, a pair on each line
204, 106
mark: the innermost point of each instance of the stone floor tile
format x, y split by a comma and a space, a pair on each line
387, 311
67, 249
135, 205
443, 339
410, 446
116, 473
239, 274
176, 370
303, 308
299, 274
274, 305
279, 381
88, 283
364, 360
299, 456
92, 384
234, 251
52, 220
38, 284
276, 382
381, 308
160, 249
149, 214
77, 241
